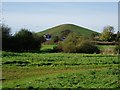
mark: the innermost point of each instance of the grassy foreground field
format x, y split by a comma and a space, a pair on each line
59, 70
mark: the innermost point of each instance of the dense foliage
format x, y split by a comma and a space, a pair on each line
76, 44
87, 47
108, 34
24, 40
6, 37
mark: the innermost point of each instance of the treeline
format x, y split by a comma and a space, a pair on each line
27, 41
109, 35
24, 40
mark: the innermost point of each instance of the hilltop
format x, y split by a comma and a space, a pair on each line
73, 28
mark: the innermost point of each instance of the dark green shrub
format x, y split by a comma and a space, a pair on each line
25, 40
6, 37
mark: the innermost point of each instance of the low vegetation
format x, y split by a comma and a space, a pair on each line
59, 70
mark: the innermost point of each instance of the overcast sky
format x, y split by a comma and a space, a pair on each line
38, 16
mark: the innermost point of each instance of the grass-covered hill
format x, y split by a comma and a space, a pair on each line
74, 28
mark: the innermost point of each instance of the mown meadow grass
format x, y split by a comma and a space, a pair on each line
59, 70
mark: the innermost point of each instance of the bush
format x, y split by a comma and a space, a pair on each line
69, 44
87, 47
58, 48
107, 34
117, 49
25, 40
76, 44
69, 48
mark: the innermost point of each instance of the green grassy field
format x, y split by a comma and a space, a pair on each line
107, 49
59, 70
106, 46
46, 47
